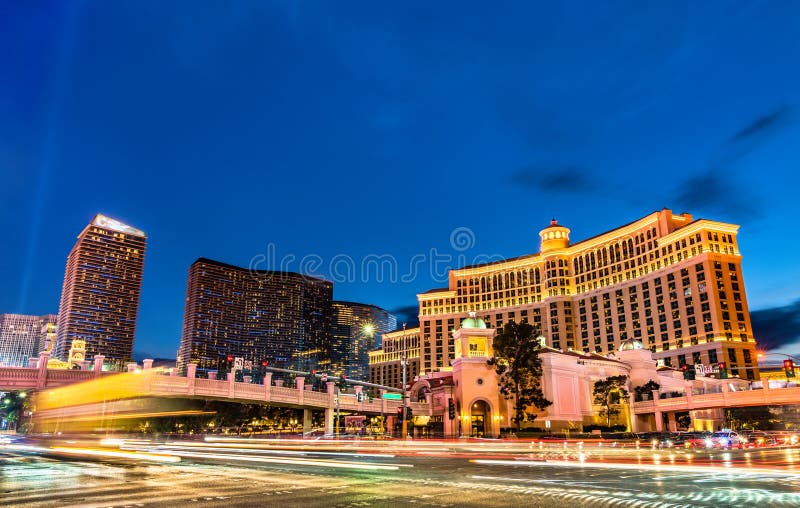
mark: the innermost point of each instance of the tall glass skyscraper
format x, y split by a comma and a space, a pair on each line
357, 330
102, 285
281, 317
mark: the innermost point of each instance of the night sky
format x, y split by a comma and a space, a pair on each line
232, 130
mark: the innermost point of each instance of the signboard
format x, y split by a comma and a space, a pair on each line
393, 396
248, 365
354, 424
238, 363
705, 370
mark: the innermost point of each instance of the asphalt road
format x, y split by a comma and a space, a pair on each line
419, 474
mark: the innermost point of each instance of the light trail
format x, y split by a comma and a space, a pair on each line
91, 452
645, 467
293, 461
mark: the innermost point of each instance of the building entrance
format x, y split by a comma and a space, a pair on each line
479, 415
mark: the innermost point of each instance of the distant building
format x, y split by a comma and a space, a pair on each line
385, 364
47, 336
281, 317
100, 296
22, 337
357, 330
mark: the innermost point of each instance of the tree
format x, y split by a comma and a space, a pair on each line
753, 418
519, 369
646, 390
608, 393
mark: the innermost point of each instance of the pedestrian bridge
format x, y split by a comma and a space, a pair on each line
97, 386
759, 393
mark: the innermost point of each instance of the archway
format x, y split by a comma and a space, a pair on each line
480, 420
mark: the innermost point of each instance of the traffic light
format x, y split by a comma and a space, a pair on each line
451, 409
370, 397
264, 363
688, 372
723, 370
409, 414
788, 367
360, 396
400, 412
343, 382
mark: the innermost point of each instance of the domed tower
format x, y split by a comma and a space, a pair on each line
558, 282
554, 237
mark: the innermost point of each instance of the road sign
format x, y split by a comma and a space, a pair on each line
238, 363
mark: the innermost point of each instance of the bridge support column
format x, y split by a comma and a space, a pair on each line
191, 373
267, 386
307, 420
147, 363
41, 375
328, 421
130, 367
659, 416
231, 381
300, 381
98, 364
673, 425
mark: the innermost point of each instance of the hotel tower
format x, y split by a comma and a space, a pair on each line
670, 281
100, 295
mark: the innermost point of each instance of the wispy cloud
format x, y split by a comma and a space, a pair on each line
564, 179
719, 189
763, 125
408, 314
777, 326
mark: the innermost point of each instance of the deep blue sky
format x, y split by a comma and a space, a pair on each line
335, 128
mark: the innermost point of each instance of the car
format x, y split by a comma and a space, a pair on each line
758, 438
692, 439
726, 438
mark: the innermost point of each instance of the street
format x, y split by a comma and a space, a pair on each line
391, 473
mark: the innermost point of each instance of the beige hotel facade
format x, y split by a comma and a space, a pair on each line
670, 281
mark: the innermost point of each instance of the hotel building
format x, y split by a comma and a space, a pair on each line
357, 329
670, 281
385, 364
281, 317
100, 295
22, 337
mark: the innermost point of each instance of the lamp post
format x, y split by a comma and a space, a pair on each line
404, 427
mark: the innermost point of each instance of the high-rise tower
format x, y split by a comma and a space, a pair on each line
280, 317
102, 285
357, 329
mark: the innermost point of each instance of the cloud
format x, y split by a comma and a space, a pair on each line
553, 179
763, 125
777, 327
712, 192
408, 314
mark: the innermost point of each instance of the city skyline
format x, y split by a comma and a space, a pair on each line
423, 115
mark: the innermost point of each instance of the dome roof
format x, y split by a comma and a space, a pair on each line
473, 322
630, 345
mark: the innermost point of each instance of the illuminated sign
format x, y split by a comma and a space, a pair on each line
108, 222
704, 370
